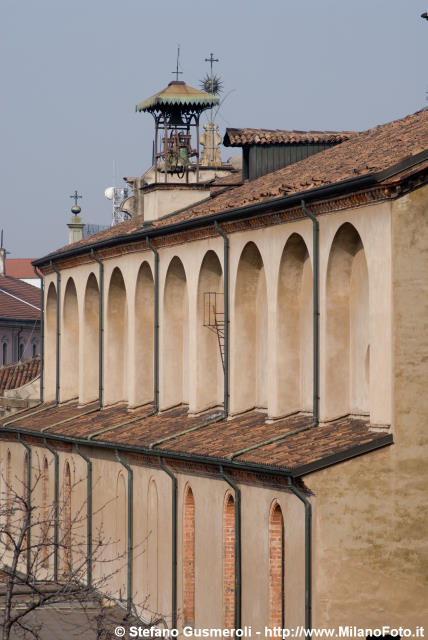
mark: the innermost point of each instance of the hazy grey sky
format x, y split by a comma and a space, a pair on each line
73, 71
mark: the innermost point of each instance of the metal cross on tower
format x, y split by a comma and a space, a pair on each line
176, 70
75, 196
211, 59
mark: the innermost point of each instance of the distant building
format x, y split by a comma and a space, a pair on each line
19, 313
22, 269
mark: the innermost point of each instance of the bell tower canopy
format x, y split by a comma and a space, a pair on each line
178, 96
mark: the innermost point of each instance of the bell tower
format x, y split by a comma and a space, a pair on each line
176, 111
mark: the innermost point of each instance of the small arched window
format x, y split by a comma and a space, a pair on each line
229, 561
67, 519
189, 557
20, 350
45, 513
8, 498
34, 349
276, 567
4, 352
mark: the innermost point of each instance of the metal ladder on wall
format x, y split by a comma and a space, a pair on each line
214, 317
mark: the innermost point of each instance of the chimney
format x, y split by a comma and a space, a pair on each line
2, 261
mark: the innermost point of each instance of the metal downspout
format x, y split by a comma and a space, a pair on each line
58, 328
56, 507
308, 552
28, 497
88, 513
42, 330
156, 328
238, 582
174, 543
130, 548
101, 331
315, 226
226, 316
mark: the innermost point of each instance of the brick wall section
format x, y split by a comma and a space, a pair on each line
276, 567
229, 561
189, 557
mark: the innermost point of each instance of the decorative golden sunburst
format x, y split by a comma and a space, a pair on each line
212, 85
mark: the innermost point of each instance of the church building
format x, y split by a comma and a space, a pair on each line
234, 381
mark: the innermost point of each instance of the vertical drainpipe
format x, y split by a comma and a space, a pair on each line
315, 227
56, 507
42, 330
315, 421
101, 332
58, 328
238, 582
226, 316
88, 513
28, 532
130, 544
156, 329
308, 552
174, 543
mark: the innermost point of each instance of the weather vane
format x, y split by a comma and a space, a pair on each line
176, 70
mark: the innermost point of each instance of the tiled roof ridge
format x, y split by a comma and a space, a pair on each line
240, 137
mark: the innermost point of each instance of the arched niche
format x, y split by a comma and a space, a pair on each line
348, 337
152, 556
144, 335
250, 352
50, 343
91, 332
175, 336
69, 380
116, 343
294, 328
120, 540
210, 310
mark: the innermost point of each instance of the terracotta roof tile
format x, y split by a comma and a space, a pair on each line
241, 137
20, 268
18, 299
17, 374
219, 440
363, 154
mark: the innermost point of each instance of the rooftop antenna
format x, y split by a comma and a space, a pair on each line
176, 69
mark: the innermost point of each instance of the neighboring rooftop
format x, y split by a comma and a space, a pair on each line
241, 137
20, 268
18, 300
13, 376
363, 154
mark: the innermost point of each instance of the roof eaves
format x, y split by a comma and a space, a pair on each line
326, 190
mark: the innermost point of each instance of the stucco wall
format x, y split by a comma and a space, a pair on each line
371, 521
